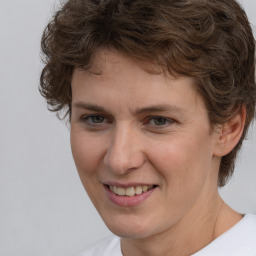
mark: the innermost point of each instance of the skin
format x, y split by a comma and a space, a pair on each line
130, 126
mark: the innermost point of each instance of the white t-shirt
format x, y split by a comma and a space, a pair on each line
240, 240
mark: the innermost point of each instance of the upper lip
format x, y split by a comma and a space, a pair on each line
129, 184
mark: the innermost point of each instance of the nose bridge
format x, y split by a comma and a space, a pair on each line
124, 150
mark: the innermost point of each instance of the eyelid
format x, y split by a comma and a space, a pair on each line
108, 120
84, 120
168, 120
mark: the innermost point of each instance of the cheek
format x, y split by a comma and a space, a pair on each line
183, 162
87, 153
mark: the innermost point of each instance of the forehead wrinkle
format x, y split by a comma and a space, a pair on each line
159, 108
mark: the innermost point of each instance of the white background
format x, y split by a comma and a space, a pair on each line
44, 210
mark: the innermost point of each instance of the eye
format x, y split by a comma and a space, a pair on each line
159, 121
95, 119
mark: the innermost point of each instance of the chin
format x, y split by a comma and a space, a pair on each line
128, 227
131, 233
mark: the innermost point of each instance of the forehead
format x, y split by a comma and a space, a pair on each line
113, 75
104, 58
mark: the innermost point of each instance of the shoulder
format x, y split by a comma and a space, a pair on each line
240, 240
105, 247
244, 232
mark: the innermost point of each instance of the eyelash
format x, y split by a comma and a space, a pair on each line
168, 121
86, 120
105, 121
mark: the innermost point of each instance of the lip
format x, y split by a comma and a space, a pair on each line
127, 185
127, 201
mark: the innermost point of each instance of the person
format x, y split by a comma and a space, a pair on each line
159, 95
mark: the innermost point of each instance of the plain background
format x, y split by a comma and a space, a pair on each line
44, 210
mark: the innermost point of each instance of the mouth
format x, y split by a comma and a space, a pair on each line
129, 195
130, 191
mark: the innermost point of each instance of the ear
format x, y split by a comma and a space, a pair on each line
230, 133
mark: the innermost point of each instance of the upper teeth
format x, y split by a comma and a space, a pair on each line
130, 191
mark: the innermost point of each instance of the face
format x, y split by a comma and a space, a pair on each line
142, 144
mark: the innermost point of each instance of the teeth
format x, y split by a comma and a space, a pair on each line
121, 191
130, 191
138, 190
115, 189
145, 188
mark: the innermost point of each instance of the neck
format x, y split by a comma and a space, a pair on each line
200, 226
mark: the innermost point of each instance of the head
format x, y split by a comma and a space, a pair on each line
209, 41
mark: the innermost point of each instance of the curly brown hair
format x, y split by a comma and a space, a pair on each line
209, 40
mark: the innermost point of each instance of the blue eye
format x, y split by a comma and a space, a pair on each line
159, 121
95, 119
95, 122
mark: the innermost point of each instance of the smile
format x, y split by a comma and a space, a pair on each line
129, 196
130, 191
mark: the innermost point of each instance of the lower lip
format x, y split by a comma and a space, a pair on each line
128, 201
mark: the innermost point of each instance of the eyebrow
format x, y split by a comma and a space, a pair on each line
160, 108
143, 110
87, 106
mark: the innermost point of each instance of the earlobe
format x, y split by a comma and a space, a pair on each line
230, 133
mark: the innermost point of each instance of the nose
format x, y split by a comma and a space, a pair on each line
124, 152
